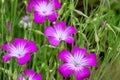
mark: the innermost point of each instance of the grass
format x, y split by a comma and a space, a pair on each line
98, 25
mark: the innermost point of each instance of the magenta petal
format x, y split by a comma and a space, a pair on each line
52, 17
70, 30
53, 41
23, 60
18, 41
31, 47
83, 73
31, 4
80, 51
65, 70
37, 77
29, 72
56, 3
60, 26
6, 57
64, 55
6, 46
49, 31
20, 77
91, 59
41, 1
39, 18
69, 39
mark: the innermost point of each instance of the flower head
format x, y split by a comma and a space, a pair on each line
25, 22
77, 63
44, 9
59, 33
29, 75
21, 50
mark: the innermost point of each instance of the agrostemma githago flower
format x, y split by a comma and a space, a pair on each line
29, 75
20, 49
59, 32
76, 63
44, 9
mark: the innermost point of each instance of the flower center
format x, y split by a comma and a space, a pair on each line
19, 55
20, 51
44, 8
76, 64
44, 12
60, 38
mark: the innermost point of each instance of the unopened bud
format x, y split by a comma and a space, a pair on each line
9, 27
104, 24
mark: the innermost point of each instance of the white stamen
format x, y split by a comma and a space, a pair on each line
76, 62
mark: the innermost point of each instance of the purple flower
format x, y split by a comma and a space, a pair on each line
21, 50
77, 63
44, 9
29, 75
59, 33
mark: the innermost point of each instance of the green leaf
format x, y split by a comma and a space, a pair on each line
80, 13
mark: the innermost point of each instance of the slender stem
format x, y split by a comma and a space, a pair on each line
2, 11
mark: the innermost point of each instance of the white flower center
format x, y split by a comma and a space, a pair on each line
60, 34
44, 8
76, 62
18, 51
